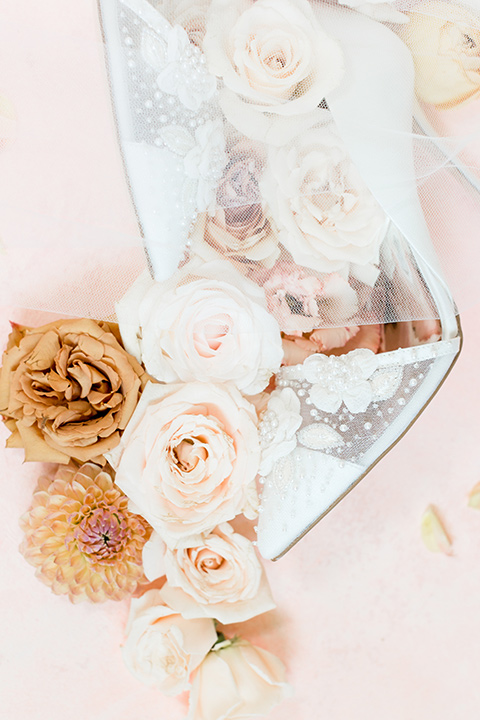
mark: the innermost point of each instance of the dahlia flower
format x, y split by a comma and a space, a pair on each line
81, 537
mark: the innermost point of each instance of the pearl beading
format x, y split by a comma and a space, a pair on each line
174, 107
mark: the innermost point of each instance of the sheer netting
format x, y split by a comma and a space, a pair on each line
347, 189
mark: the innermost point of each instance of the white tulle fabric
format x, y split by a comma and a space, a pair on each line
222, 157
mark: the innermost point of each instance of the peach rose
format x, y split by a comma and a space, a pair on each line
208, 323
162, 648
67, 390
189, 457
274, 58
237, 681
327, 217
216, 574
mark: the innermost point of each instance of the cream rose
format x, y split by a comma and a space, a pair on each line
328, 218
237, 681
444, 39
162, 648
189, 457
209, 324
274, 58
216, 574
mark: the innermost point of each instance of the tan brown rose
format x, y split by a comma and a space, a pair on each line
67, 390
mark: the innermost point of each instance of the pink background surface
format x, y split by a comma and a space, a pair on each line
370, 624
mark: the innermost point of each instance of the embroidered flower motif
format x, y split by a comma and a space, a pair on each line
180, 66
203, 157
278, 428
319, 436
341, 379
82, 538
206, 160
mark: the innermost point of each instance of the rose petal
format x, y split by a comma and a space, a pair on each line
434, 534
474, 497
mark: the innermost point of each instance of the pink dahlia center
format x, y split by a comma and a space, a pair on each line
102, 534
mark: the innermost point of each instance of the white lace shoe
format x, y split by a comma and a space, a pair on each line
331, 418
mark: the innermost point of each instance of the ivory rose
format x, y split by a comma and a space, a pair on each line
328, 219
216, 574
444, 39
189, 457
162, 648
67, 390
274, 59
301, 301
237, 681
208, 323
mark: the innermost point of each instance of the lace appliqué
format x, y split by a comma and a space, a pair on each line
170, 126
348, 402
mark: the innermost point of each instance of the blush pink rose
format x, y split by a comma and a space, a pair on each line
188, 458
301, 301
237, 681
215, 574
162, 648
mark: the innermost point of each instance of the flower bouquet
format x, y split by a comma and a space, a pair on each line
274, 324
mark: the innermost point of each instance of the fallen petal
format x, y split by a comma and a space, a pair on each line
434, 534
474, 497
